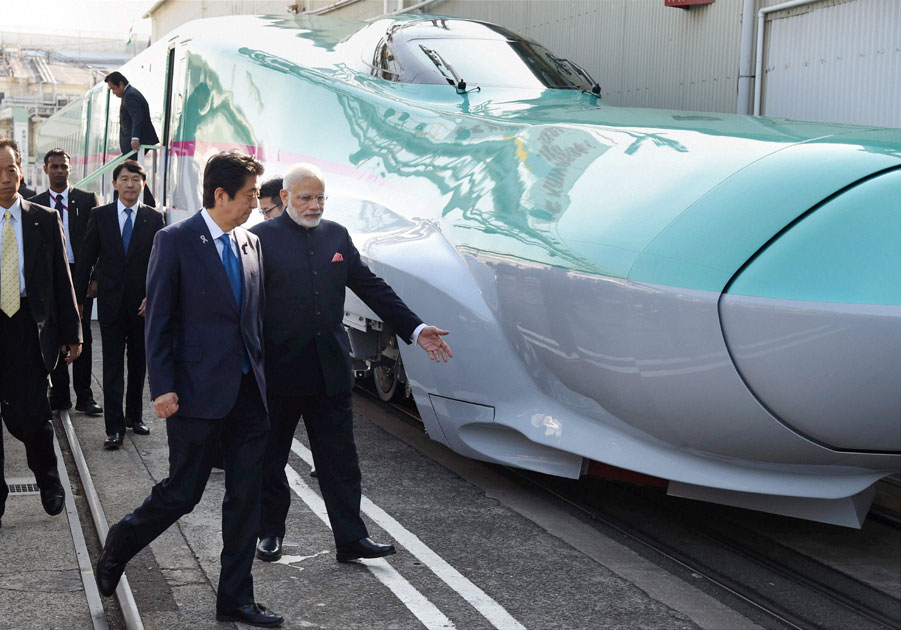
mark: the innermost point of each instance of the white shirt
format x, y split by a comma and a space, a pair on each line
70, 254
123, 217
16, 212
216, 232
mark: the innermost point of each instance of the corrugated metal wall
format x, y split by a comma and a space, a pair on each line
835, 62
641, 52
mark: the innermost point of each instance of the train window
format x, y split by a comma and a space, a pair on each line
448, 51
512, 64
384, 63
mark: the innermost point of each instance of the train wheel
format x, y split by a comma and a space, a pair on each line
384, 377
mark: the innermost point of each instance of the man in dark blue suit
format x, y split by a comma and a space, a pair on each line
135, 126
204, 338
308, 262
116, 251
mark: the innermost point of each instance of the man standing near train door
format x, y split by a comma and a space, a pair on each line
135, 126
307, 263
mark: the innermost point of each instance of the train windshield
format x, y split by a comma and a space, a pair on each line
479, 54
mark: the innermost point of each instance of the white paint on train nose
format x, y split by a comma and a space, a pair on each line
496, 614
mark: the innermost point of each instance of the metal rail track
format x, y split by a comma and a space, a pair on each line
779, 587
124, 595
783, 586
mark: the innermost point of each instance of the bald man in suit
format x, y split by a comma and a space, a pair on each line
39, 325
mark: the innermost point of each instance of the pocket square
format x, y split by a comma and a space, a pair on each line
337, 257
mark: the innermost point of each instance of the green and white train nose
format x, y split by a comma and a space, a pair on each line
813, 321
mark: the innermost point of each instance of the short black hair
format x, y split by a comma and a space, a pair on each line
229, 171
12, 144
57, 152
116, 78
272, 188
132, 166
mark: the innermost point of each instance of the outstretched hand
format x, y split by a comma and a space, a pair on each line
431, 341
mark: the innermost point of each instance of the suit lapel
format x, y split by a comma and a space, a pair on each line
248, 264
138, 228
207, 252
111, 228
31, 235
74, 209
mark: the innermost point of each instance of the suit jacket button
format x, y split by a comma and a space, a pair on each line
315, 291
317, 311
311, 252
315, 273
318, 333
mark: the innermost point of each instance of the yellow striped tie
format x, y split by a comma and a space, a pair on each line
9, 268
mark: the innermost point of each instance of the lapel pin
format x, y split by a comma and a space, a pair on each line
203, 238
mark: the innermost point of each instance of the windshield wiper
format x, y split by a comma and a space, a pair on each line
454, 78
570, 67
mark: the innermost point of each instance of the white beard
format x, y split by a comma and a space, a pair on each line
302, 221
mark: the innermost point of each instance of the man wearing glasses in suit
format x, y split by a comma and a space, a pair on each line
271, 204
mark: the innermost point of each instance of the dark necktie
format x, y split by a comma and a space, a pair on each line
126, 230
233, 271
59, 205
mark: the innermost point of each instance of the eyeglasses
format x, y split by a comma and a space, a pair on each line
320, 199
266, 211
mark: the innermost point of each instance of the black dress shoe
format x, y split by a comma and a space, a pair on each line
269, 548
109, 568
89, 407
53, 499
138, 427
113, 441
364, 548
252, 615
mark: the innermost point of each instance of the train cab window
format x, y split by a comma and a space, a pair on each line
384, 63
483, 55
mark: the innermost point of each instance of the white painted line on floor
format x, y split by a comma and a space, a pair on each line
496, 614
416, 602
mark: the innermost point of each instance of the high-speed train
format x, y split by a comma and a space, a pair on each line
712, 300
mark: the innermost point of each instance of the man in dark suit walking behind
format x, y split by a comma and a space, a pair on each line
38, 325
74, 206
116, 250
308, 262
205, 356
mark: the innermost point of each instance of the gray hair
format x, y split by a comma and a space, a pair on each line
301, 171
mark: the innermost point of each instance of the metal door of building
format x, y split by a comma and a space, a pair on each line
837, 61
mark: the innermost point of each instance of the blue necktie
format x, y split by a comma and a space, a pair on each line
233, 271
126, 230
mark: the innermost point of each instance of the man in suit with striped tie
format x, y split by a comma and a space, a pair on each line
74, 206
116, 250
